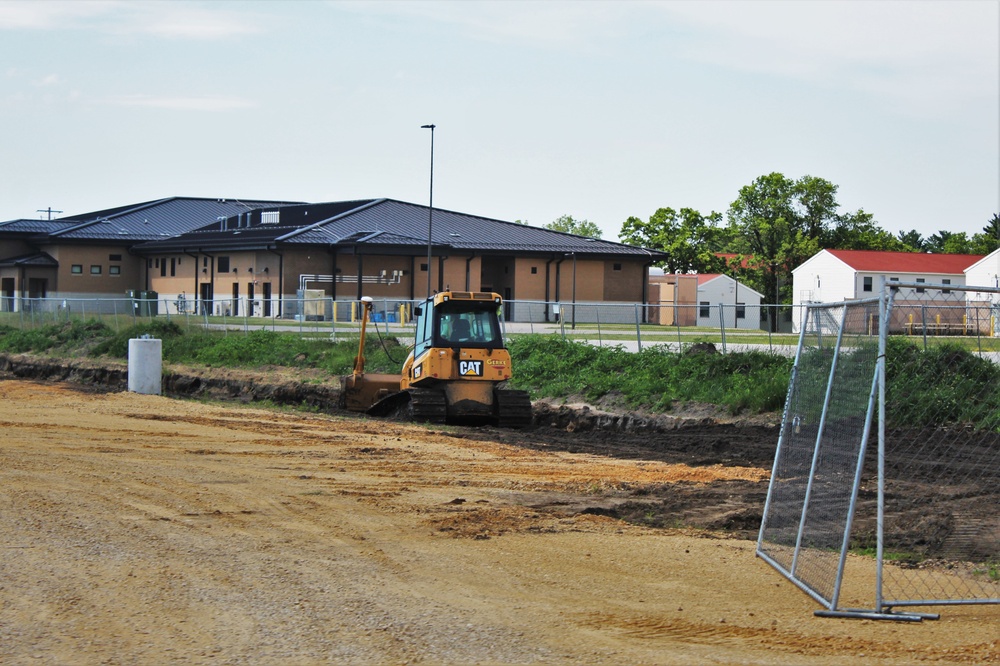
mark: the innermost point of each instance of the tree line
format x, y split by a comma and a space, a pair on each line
775, 224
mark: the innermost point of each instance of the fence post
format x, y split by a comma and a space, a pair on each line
770, 344
638, 331
722, 326
923, 323
600, 341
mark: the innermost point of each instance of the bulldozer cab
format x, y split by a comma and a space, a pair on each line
458, 319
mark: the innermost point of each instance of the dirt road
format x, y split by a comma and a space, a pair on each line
141, 529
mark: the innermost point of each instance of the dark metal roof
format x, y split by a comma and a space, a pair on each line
37, 259
153, 220
387, 222
26, 227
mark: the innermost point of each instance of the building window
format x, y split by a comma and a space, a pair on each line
867, 284
741, 310
423, 268
173, 266
223, 265
149, 263
114, 257
114, 270
920, 290
204, 262
704, 308
95, 269
946, 281
616, 267
534, 270
270, 217
76, 269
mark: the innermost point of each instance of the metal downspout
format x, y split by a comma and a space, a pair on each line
558, 285
413, 277
194, 292
360, 271
281, 280
468, 263
441, 260
548, 276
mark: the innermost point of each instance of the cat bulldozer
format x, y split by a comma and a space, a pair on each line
456, 372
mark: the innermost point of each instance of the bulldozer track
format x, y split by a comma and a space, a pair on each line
513, 408
428, 405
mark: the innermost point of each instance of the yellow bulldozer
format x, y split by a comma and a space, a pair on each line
456, 372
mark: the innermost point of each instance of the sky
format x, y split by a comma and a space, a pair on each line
599, 110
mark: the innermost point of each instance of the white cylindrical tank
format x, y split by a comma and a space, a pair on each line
145, 365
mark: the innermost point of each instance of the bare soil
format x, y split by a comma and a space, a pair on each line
148, 529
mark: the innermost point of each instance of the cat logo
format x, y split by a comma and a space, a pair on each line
470, 368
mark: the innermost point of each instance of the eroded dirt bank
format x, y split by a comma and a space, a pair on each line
142, 529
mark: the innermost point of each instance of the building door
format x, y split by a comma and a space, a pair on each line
7, 294
235, 310
37, 287
205, 293
267, 299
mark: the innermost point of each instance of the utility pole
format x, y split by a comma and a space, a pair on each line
430, 210
48, 210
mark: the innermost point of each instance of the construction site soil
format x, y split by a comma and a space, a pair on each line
153, 529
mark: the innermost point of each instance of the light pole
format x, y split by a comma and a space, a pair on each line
430, 210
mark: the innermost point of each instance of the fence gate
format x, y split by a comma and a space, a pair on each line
917, 372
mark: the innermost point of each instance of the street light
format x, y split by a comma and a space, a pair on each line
430, 210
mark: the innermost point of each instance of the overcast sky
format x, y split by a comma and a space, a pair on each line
600, 110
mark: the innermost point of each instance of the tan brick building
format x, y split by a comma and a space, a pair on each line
268, 258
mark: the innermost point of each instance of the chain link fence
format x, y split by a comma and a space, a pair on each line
820, 446
917, 373
634, 326
940, 541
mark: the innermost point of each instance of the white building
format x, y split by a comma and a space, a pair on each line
715, 289
694, 299
835, 275
985, 272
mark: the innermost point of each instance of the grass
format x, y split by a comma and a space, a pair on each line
947, 383
653, 379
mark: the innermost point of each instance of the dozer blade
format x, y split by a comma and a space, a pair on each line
358, 393
393, 404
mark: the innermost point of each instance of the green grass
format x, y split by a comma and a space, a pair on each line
945, 384
654, 379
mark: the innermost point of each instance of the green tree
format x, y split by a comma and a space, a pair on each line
689, 239
776, 224
567, 224
948, 242
858, 231
912, 239
989, 239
